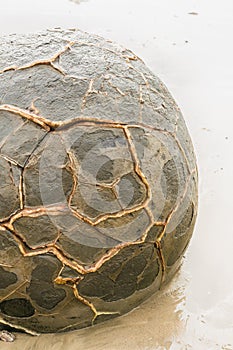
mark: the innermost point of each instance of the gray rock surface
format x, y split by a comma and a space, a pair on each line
98, 181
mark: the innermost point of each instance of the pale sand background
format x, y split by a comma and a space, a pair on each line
193, 54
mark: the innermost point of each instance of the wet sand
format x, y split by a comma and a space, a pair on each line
188, 45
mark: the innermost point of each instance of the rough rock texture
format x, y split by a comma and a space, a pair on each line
98, 181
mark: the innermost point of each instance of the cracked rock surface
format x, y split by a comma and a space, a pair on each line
98, 181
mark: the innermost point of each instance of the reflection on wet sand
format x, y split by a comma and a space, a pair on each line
206, 329
158, 318
78, 1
